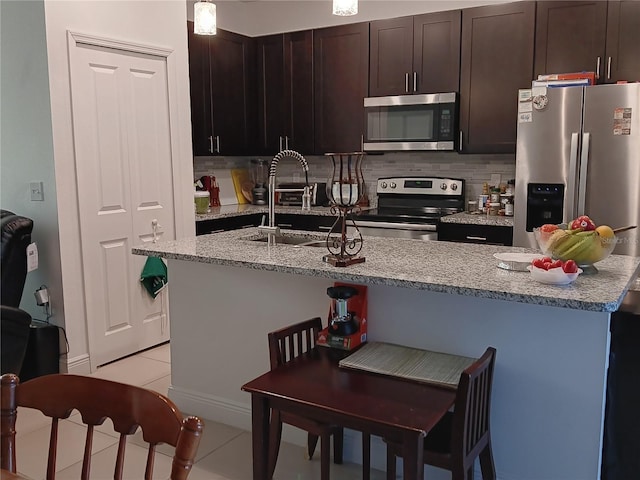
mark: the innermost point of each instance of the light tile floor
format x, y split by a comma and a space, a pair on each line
224, 452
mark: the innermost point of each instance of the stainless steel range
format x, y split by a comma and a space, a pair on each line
410, 207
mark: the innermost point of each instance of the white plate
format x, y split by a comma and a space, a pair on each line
515, 261
555, 276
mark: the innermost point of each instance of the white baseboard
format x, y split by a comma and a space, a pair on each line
79, 365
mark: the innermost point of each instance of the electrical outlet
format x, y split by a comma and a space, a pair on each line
37, 193
495, 179
296, 177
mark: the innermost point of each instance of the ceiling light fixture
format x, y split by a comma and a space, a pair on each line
204, 18
344, 8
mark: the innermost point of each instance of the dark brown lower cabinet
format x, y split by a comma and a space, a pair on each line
467, 233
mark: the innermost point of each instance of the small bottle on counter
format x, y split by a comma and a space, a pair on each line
494, 208
508, 208
495, 195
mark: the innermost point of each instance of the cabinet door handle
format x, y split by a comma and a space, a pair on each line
460, 148
217, 143
210, 143
322, 227
471, 237
286, 142
406, 82
415, 82
609, 68
598, 68
280, 140
285, 225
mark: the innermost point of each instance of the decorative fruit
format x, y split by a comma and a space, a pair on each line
549, 228
584, 244
605, 232
570, 267
583, 222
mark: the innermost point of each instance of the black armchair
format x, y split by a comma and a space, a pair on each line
15, 327
15, 237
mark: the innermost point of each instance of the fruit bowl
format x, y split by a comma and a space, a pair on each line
585, 247
555, 276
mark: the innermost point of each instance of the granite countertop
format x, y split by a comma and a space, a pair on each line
478, 219
246, 209
455, 268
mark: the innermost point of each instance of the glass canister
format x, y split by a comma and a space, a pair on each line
201, 199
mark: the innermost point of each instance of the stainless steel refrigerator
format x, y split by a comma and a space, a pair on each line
578, 153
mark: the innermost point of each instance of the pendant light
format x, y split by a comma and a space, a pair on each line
204, 18
344, 8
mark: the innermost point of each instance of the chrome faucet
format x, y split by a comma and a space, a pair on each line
272, 230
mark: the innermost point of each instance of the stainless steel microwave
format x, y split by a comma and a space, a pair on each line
411, 122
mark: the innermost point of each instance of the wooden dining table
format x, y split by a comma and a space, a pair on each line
314, 386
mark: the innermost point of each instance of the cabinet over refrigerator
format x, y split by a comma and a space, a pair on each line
578, 153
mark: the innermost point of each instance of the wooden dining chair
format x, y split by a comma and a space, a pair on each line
285, 345
464, 434
128, 407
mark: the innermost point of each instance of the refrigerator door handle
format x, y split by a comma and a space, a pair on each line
573, 174
584, 165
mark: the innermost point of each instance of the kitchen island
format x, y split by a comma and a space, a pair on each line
228, 291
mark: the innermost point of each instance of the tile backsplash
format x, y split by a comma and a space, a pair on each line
475, 169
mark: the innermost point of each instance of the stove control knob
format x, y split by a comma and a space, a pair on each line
393, 184
454, 186
383, 184
443, 186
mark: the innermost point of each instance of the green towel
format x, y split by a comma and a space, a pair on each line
154, 276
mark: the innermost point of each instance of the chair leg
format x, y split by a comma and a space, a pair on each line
338, 442
391, 464
325, 457
312, 441
487, 466
366, 456
275, 434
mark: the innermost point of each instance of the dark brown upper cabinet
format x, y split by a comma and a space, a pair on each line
623, 38
497, 60
419, 54
597, 36
341, 79
570, 37
223, 98
200, 86
285, 92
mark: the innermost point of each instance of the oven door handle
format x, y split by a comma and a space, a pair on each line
397, 226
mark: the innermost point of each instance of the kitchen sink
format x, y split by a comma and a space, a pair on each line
295, 241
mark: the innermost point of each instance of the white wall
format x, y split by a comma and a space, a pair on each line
267, 16
158, 23
26, 154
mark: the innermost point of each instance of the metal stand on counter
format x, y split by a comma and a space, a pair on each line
620, 459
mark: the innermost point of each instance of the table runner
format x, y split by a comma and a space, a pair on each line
421, 365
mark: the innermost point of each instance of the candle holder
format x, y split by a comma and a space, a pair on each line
345, 190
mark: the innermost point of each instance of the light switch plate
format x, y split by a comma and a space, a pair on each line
37, 193
495, 179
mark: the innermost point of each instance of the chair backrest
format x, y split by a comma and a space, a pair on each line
129, 407
472, 408
289, 342
15, 236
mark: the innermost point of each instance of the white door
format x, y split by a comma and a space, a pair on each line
120, 111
